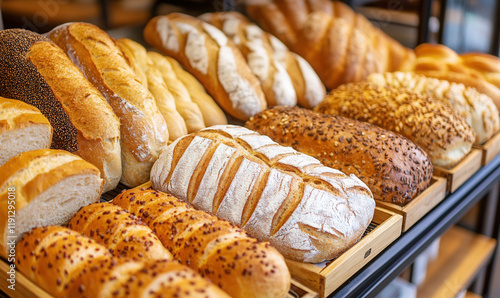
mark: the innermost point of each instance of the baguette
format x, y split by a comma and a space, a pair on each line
273, 192
37, 72
22, 128
220, 251
143, 128
45, 187
213, 59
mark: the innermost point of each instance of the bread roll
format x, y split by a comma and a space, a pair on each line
395, 169
68, 264
441, 132
120, 232
22, 128
213, 59
273, 192
478, 109
45, 187
143, 128
37, 72
220, 251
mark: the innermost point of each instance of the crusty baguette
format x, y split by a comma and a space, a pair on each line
273, 192
214, 60
46, 187
68, 264
395, 169
440, 131
222, 252
143, 128
478, 109
37, 72
22, 128
120, 232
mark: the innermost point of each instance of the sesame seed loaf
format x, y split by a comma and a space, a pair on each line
441, 132
37, 72
119, 231
309, 212
395, 169
22, 128
46, 187
220, 251
67, 264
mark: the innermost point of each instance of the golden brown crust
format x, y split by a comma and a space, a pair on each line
26, 115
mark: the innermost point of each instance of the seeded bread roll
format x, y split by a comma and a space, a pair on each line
478, 109
46, 187
441, 132
273, 192
220, 251
395, 169
120, 232
143, 129
37, 72
22, 128
215, 61
68, 264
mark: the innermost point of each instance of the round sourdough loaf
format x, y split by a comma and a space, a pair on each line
395, 169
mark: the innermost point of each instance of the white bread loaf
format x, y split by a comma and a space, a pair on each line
37, 72
143, 128
22, 128
46, 187
214, 60
309, 212
217, 249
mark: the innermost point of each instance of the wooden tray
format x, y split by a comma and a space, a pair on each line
490, 149
298, 290
326, 277
457, 175
420, 205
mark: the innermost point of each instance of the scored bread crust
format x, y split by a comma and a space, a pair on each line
309, 212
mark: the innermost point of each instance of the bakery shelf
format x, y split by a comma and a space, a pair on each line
298, 290
458, 174
462, 254
490, 149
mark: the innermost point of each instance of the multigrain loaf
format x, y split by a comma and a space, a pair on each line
67, 264
46, 187
22, 128
119, 231
478, 109
395, 169
441, 132
143, 129
220, 251
37, 72
212, 58
309, 212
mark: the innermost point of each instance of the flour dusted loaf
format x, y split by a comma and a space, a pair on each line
478, 109
46, 187
441, 132
309, 212
37, 72
395, 169
22, 128
143, 129
217, 249
207, 53
67, 264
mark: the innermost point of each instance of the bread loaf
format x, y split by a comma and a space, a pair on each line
220, 251
68, 264
43, 187
441, 132
22, 128
120, 232
395, 169
275, 193
213, 59
37, 72
143, 128
478, 109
